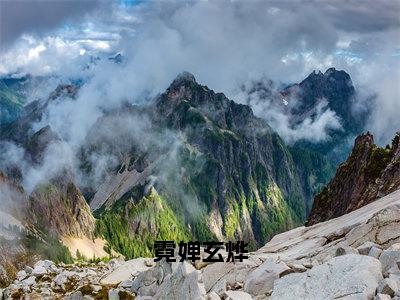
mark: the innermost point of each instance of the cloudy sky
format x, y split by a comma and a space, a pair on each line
223, 43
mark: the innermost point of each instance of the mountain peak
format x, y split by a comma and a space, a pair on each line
183, 78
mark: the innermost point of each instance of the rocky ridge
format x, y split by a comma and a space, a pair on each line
369, 173
356, 256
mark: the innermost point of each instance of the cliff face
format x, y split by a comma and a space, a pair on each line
59, 208
370, 172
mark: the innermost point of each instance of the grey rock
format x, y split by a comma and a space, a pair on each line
113, 294
219, 287
74, 296
44, 263
261, 280
28, 270
350, 275
184, 283
60, 279
343, 250
213, 296
21, 275
39, 271
366, 247
124, 270
147, 282
389, 258
375, 252
382, 297
296, 267
126, 284
232, 273
237, 295
387, 286
29, 281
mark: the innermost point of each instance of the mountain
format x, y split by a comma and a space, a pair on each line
334, 87
11, 102
232, 177
15, 92
327, 100
190, 164
369, 173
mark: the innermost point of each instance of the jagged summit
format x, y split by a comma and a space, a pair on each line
329, 74
370, 172
182, 78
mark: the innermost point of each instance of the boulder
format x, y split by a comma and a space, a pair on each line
213, 296
261, 280
183, 283
231, 273
343, 250
389, 258
124, 271
366, 247
28, 270
375, 252
39, 271
74, 296
44, 263
126, 284
147, 282
346, 275
29, 281
113, 294
236, 295
382, 297
388, 286
21, 275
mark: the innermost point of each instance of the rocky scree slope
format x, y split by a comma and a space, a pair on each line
355, 256
370, 172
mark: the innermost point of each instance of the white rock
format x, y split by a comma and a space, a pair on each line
29, 281
96, 288
74, 296
28, 270
212, 296
366, 247
184, 283
230, 272
39, 271
343, 250
387, 286
261, 280
348, 275
114, 262
389, 258
375, 252
113, 294
237, 295
382, 297
147, 282
124, 271
126, 284
44, 263
296, 267
61, 279
21, 275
